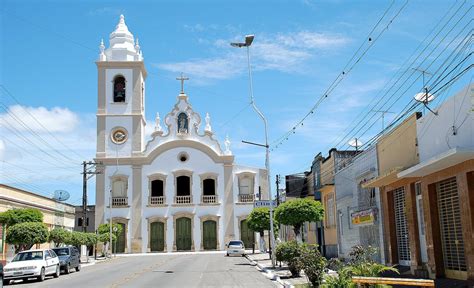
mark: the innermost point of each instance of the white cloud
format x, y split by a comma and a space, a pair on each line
285, 52
54, 120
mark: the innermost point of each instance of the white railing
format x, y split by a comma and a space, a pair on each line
246, 198
182, 199
209, 199
119, 201
157, 200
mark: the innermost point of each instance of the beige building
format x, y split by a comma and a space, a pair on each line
56, 214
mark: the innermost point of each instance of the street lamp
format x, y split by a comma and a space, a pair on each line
247, 43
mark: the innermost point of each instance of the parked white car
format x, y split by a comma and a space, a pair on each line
235, 247
32, 264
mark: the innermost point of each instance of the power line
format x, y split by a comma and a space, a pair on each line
339, 78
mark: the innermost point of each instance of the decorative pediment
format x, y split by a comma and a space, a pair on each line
183, 123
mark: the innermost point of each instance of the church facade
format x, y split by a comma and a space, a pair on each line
179, 190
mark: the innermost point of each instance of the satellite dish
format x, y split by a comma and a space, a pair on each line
355, 143
61, 195
424, 97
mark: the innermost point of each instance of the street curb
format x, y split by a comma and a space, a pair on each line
269, 274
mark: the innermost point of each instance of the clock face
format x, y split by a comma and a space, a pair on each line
119, 136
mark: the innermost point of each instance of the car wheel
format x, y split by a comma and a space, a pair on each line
227, 254
58, 271
78, 268
67, 269
42, 276
6, 282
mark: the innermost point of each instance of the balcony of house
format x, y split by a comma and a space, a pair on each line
183, 195
119, 202
209, 196
246, 198
156, 193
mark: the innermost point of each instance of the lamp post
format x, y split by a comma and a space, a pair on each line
247, 43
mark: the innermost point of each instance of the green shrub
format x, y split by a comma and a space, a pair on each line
312, 263
24, 235
289, 252
59, 236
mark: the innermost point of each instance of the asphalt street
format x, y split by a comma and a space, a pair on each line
162, 270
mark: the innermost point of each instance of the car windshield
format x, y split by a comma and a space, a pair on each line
61, 251
26, 256
235, 243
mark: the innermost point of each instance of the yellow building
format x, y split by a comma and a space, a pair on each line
56, 214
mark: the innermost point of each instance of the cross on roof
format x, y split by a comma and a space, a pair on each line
182, 79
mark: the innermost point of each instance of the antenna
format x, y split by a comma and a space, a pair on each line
356, 143
61, 195
424, 97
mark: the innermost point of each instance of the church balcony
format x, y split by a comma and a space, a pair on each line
209, 199
157, 200
119, 201
246, 198
183, 199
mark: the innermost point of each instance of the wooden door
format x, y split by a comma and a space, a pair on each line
119, 245
157, 236
209, 235
183, 234
246, 235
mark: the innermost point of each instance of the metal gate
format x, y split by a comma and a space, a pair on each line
401, 226
209, 235
157, 236
451, 230
183, 234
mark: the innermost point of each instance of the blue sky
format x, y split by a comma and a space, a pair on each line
49, 48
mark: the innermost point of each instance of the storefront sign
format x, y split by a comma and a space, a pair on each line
364, 217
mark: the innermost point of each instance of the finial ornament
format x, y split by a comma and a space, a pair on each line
122, 19
208, 123
157, 123
102, 56
227, 146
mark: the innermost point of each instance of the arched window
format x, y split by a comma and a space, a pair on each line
209, 187
182, 123
156, 188
119, 188
119, 89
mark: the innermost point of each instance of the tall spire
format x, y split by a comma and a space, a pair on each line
122, 44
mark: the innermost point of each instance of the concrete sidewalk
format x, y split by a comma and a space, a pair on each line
280, 273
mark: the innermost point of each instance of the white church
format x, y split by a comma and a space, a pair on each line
179, 190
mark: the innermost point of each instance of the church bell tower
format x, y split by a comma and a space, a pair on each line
121, 96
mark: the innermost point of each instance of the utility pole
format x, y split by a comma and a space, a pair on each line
86, 175
278, 189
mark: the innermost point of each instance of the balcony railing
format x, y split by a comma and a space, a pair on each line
246, 198
119, 201
208, 199
157, 200
182, 199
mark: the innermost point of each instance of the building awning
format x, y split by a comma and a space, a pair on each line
385, 179
441, 161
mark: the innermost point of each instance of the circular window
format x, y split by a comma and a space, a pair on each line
183, 157
119, 135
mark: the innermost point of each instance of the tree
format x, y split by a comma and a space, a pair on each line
25, 235
15, 216
259, 221
105, 228
59, 236
78, 238
298, 211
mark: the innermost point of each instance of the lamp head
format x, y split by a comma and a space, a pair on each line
249, 39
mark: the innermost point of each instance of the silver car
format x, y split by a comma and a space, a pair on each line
235, 247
